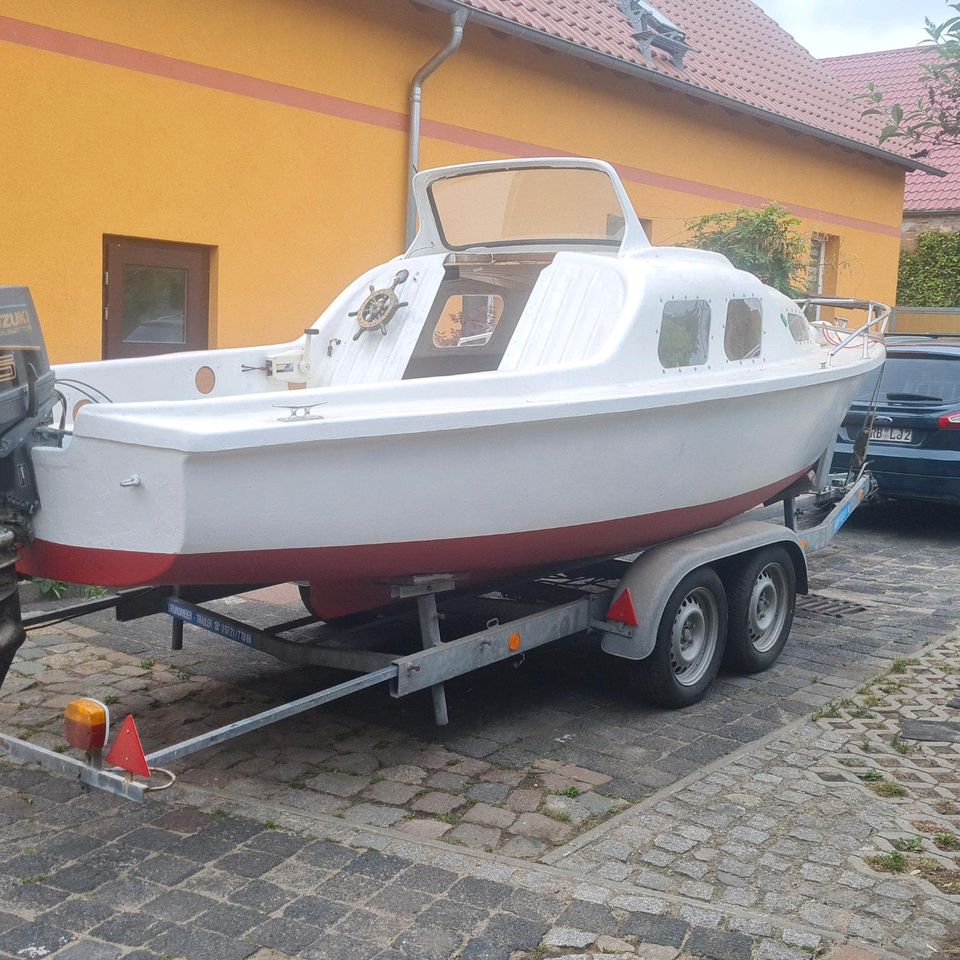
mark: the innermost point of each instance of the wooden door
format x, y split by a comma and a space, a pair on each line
156, 297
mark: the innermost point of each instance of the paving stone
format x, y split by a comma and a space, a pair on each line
129, 929
329, 856
376, 865
261, 895
428, 879
196, 943
539, 827
286, 934
167, 870
524, 848
339, 784
479, 893
608, 945
425, 943
340, 946
489, 816
475, 837
391, 791
488, 792
34, 939
373, 814
89, 950
524, 801
446, 780
399, 900
177, 905
438, 802
317, 911
404, 773
665, 931
78, 914
230, 919
451, 915
424, 829
249, 863
568, 937
589, 916
483, 949
718, 945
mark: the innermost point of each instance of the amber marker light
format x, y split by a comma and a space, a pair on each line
513, 642
85, 724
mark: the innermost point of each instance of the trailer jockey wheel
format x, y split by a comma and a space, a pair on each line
379, 307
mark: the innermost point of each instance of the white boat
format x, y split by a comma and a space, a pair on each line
531, 383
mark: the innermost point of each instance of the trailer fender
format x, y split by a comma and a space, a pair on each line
654, 575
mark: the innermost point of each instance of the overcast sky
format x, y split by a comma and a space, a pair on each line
830, 28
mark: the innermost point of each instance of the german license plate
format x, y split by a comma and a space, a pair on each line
892, 434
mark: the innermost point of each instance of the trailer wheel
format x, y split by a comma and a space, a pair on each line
763, 594
690, 642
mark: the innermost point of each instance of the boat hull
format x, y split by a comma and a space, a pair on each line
344, 515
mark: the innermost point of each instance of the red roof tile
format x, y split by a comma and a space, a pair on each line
898, 73
739, 53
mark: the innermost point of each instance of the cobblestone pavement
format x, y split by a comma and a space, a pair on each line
554, 811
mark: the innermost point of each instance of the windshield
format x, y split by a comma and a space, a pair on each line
930, 379
528, 205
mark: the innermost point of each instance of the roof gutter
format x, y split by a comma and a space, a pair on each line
505, 25
458, 18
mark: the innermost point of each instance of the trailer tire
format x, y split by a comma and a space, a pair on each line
690, 642
762, 596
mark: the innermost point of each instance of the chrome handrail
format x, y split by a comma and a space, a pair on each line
877, 315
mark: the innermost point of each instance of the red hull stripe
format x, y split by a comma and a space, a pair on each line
352, 566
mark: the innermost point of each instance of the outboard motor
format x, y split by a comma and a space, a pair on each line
27, 397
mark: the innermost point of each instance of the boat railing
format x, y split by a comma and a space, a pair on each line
842, 337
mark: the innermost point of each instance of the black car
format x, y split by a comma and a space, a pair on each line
914, 447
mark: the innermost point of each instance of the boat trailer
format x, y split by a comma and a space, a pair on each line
559, 605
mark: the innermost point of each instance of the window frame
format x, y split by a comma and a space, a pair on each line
726, 322
706, 334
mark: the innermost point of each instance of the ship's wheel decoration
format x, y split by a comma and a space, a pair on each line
379, 307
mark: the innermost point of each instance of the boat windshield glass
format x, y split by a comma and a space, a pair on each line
534, 205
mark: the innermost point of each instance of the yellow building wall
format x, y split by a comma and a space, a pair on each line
298, 199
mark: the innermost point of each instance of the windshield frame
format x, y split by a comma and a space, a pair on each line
430, 237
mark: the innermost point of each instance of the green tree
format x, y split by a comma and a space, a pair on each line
763, 242
930, 274
935, 117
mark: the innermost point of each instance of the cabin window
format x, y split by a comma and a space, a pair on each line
799, 327
743, 330
684, 333
468, 321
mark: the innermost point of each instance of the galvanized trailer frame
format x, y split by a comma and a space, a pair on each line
577, 602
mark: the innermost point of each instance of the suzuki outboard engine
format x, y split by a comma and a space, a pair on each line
27, 398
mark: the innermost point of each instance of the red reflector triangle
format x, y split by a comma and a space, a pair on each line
127, 751
623, 611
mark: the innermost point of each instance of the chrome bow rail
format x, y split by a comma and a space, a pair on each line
840, 338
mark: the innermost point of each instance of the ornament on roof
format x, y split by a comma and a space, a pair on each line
653, 29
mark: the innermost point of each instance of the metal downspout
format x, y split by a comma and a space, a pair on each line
457, 21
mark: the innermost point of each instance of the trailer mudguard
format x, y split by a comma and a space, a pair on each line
652, 577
